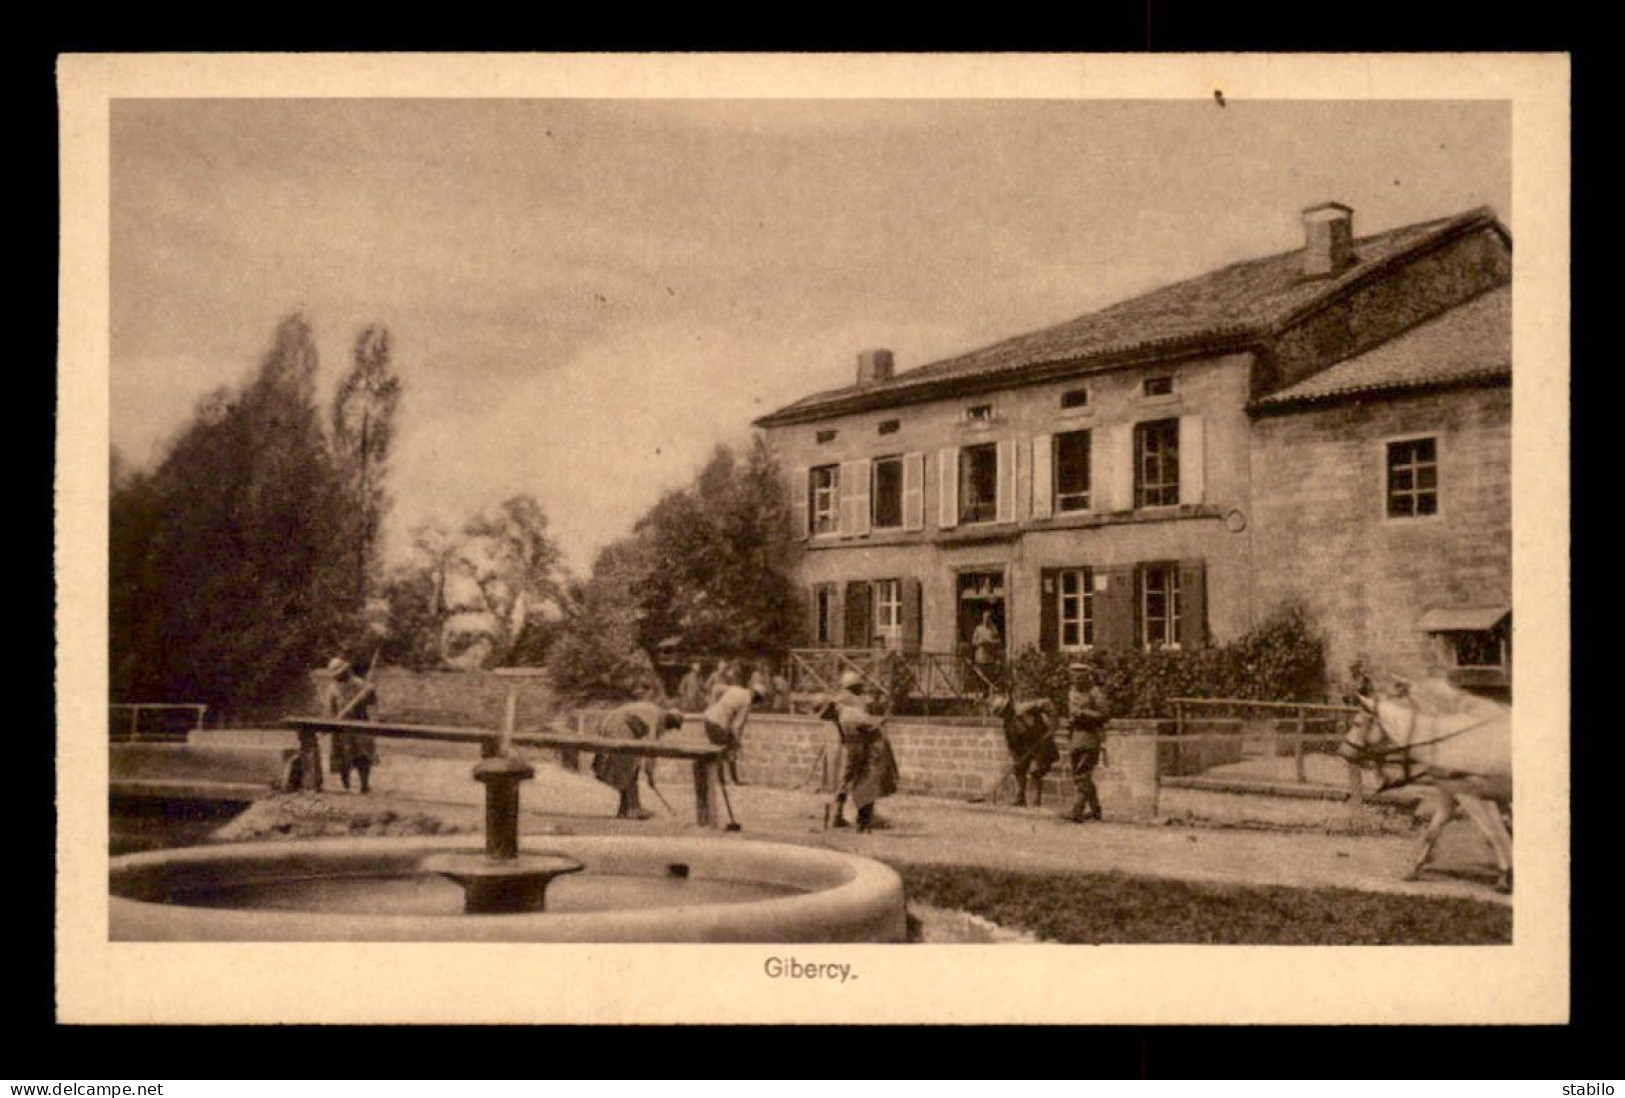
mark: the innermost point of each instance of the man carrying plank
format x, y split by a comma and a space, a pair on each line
633, 721
351, 698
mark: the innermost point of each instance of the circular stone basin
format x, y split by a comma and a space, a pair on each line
633, 889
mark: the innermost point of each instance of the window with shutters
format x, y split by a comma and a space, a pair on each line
824, 499
1413, 478
1075, 591
979, 483
1072, 471
1156, 463
1159, 605
886, 500
824, 614
889, 610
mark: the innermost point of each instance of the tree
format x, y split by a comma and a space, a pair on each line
702, 566
232, 563
516, 565
363, 427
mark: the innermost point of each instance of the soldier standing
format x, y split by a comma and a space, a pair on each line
1087, 710
871, 766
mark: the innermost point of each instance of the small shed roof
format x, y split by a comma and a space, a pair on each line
1464, 619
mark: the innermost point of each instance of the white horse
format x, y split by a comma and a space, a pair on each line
1457, 744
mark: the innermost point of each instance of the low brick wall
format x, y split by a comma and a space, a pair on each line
962, 759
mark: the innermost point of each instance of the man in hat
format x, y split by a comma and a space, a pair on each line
871, 766
691, 692
352, 697
725, 721
1029, 731
1087, 710
633, 721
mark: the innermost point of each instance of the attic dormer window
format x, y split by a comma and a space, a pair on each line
1160, 386
890, 426
826, 436
1075, 398
979, 413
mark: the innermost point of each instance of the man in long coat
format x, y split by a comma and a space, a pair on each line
352, 696
632, 721
871, 766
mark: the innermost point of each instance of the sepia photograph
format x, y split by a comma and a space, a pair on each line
808, 521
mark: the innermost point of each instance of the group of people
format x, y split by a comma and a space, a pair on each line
1038, 737
725, 715
698, 690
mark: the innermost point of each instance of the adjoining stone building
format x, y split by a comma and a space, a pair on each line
1331, 423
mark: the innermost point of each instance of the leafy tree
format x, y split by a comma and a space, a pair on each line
702, 566
233, 563
363, 417
516, 564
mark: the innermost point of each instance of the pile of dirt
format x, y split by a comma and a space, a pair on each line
314, 816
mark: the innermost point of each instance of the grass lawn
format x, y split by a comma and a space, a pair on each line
1115, 907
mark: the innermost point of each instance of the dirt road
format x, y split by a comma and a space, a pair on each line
929, 830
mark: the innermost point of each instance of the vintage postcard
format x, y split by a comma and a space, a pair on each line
848, 539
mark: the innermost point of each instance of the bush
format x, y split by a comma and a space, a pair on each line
1283, 659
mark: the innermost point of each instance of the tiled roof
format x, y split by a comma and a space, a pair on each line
1237, 303
1472, 341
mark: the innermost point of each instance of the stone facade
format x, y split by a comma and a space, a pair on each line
1271, 502
1319, 518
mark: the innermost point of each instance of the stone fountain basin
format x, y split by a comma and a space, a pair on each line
634, 889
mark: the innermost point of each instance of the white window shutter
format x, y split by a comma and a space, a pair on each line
1043, 476
913, 491
800, 488
1005, 505
1111, 466
1024, 479
861, 482
948, 487
1191, 464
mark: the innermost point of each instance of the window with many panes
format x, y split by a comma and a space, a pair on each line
1413, 478
1156, 463
1076, 592
979, 483
824, 504
1159, 605
889, 609
1072, 471
886, 498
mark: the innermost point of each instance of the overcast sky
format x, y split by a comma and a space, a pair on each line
587, 295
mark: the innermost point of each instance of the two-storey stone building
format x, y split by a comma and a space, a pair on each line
1331, 423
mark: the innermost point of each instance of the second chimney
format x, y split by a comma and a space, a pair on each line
1328, 239
874, 366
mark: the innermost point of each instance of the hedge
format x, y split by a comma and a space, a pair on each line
1283, 659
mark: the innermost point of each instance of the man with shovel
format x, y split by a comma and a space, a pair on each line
348, 697
633, 721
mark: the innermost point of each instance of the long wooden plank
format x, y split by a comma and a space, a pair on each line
522, 738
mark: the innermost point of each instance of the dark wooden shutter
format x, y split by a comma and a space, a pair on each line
913, 618
1114, 608
1049, 611
1192, 604
832, 611
859, 614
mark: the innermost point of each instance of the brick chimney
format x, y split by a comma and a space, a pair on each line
1328, 239
874, 366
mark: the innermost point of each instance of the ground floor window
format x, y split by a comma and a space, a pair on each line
889, 610
1159, 605
1076, 592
